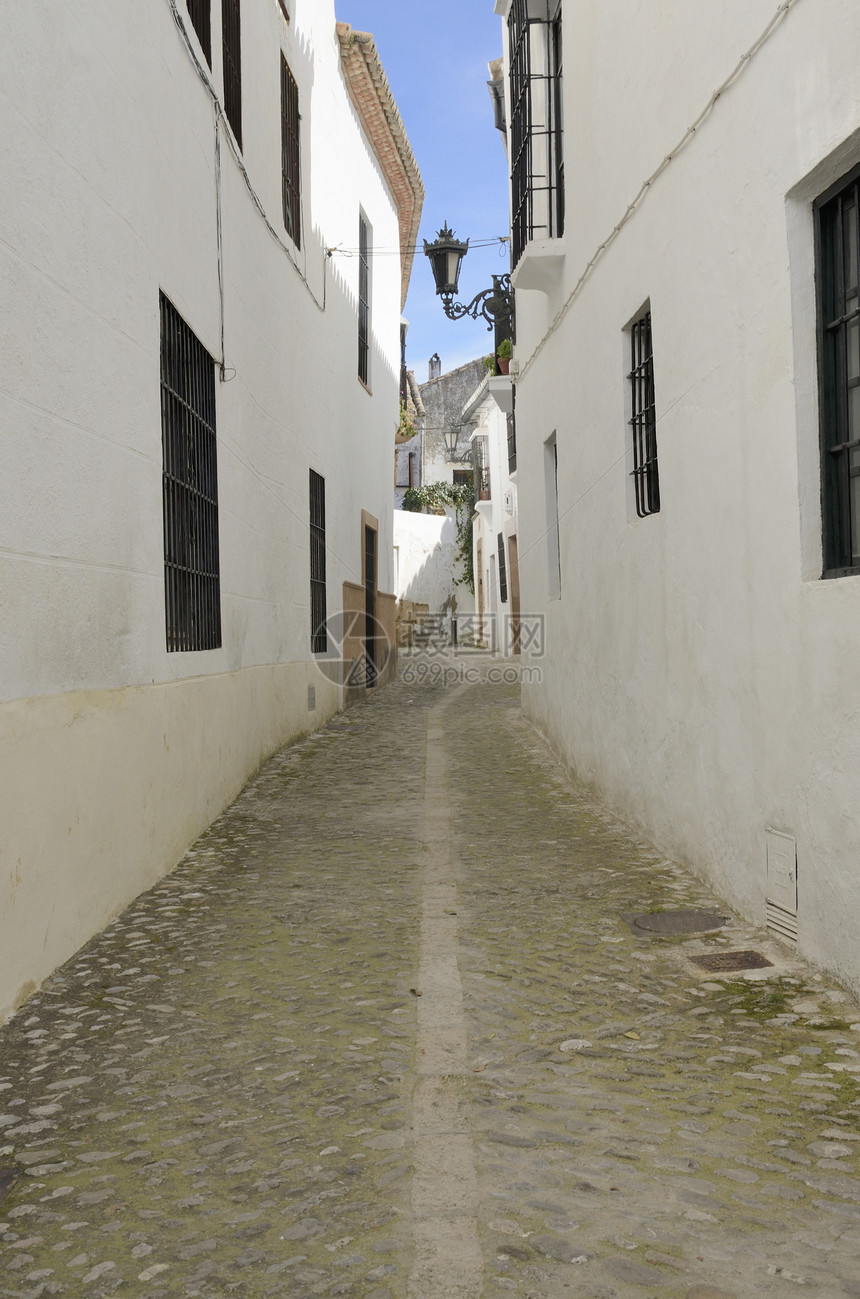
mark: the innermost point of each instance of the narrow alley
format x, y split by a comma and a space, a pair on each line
390, 1029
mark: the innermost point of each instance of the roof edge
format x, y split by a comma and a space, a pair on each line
380, 117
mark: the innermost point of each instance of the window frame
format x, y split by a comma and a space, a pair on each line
291, 154
840, 555
536, 146
231, 48
192, 572
365, 246
317, 529
643, 415
200, 13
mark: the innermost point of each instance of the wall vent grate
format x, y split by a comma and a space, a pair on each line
782, 922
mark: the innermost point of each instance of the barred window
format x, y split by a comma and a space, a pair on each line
319, 634
839, 374
291, 176
503, 570
192, 588
231, 28
199, 12
363, 300
643, 420
537, 160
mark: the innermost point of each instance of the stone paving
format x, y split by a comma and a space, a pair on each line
226, 1092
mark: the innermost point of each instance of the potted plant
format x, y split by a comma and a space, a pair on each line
503, 355
490, 364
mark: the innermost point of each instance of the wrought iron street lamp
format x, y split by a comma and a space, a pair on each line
495, 305
452, 436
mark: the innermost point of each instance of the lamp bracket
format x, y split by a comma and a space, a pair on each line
493, 305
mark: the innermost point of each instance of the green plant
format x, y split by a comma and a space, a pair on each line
405, 429
504, 350
490, 364
437, 498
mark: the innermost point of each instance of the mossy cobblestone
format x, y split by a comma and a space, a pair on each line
214, 1096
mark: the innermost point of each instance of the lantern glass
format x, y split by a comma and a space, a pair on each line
446, 255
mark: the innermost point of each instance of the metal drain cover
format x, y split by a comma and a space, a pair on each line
729, 961
676, 922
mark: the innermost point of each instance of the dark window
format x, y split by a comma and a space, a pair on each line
643, 420
319, 634
463, 478
200, 14
291, 176
192, 586
839, 375
503, 570
363, 300
537, 163
371, 647
481, 468
232, 46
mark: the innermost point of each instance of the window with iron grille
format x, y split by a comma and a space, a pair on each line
511, 421
319, 634
363, 300
643, 420
463, 478
537, 160
291, 176
838, 221
199, 11
231, 30
503, 570
192, 585
481, 468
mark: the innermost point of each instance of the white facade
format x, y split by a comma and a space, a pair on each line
699, 671
122, 180
495, 528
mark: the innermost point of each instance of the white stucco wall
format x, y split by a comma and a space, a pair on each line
428, 571
698, 671
108, 195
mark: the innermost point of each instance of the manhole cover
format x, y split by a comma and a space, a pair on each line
677, 922
732, 961
8, 1178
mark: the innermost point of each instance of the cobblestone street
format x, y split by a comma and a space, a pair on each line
388, 1031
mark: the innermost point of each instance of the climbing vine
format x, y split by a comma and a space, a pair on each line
438, 498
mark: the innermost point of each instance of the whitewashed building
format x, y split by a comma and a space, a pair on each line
685, 244
495, 543
199, 392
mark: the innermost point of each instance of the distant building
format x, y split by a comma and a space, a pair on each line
200, 392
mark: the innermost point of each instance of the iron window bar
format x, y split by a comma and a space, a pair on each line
370, 641
839, 376
319, 633
192, 589
643, 421
537, 163
511, 420
481, 469
200, 13
363, 300
503, 570
231, 31
291, 177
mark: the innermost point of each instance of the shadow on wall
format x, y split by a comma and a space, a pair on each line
428, 570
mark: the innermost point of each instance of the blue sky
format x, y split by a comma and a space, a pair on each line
436, 61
